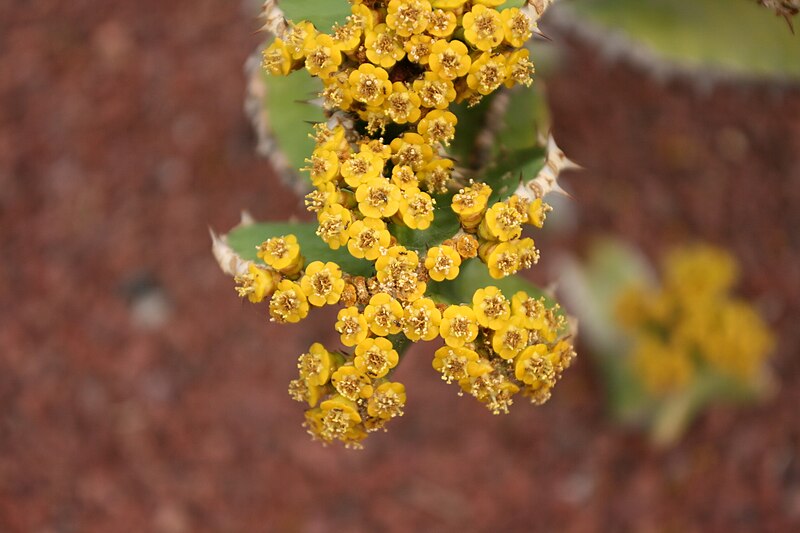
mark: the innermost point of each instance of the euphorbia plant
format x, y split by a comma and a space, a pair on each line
426, 167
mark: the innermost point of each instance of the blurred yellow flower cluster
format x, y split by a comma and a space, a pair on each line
390, 75
692, 325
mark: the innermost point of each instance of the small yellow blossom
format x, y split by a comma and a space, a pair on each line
502, 259
282, 254
339, 419
333, 223
323, 166
363, 17
487, 73
516, 27
662, 368
483, 27
347, 37
442, 23
492, 309
434, 92
418, 48
438, 126
411, 150
435, 175
449, 60
288, 303
378, 198
322, 283
456, 364
375, 357
443, 263
370, 84
408, 17
352, 326
404, 177
388, 400
300, 39
402, 105
336, 93
301, 391
510, 338
470, 204
534, 368
324, 57
531, 310
257, 284
502, 222
416, 209
528, 254
367, 237
537, 212
315, 365
519, 68
351, 382
421, 320
384, 315
459, 325
384, 46
397, 273
362, 167
277, 58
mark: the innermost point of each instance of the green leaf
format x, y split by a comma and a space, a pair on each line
733, 36
245, 239
289, 116
322, 13
445, 224
474, 275
512, 168
471, 120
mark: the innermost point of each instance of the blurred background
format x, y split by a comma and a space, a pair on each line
138, 393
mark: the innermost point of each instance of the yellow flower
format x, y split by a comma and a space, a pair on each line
433, 91
384, 47
378, 198
534, 368
334, 139
483, 27
529, 309
404, 177
699, 272
324, 57
443, 263
351, 383
322, 283
352, 326
416, 209
301, 391
502, 259
418, 48
375, 357
448, 4
363, 17
442, 23
491, 388
449, 60
436, 175
339, 418
537, 212
288, 303
402, 105
459, 325
408, 17
315, 365
282, 254
300, 39
347, 37
367, 237
257, 284
370, 84
277, 58
384, 315
519, 68
528, 254
438, 126
487, 73
323, 166
388, 400
516, 27
502, 222
376, 146
397, 273
333, 223
510, 338
455, 364
362, 167
421, 320
411, 149
663, 369
492, 309
470, 204
336, 94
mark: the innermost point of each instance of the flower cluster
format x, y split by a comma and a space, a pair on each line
692, 325
390, 75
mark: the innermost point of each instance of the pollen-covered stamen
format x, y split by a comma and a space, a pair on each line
246, 284
420, 206
513, 340
459, 327
331, 227
490, 76
376, 362
298, 390
387, 404
384, 317
349, 326
522, 72
450, 62
538, 369
400, 106
285, 303
335, 424
433, 94
378, 196
310, 364
486, 25
410, 155
508, 263
419, 322
441, 130
495, 306
367, 238
322, 283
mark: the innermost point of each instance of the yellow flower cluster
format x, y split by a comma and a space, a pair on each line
390, 75
692, 325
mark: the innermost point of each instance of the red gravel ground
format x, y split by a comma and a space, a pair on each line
138, 394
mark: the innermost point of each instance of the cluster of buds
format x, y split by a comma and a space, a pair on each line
692, 325
390, 76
